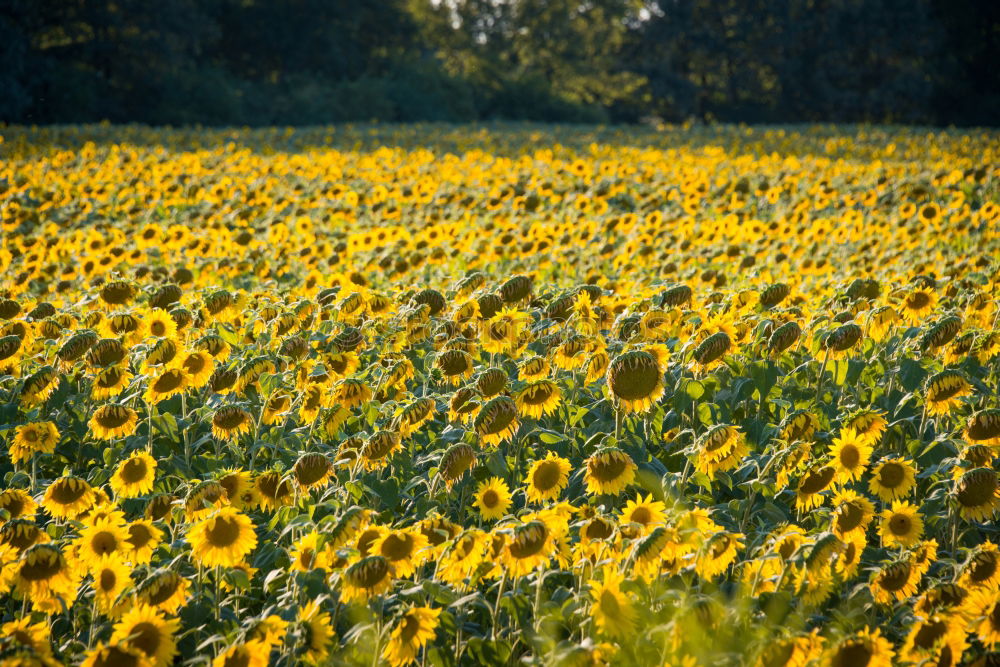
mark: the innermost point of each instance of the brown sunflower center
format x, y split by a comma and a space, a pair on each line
491, 498
67, 491
146, 637
900, 524
849, 516
134, 470
238, 658
529, 540
223, 533
410, 627
311, 468
850, 457
609, 603
917, 300
641, 514
891, 475
984, 566
369, 573
977, 488
117, 656
929, 633
139, 535
816, 481
168, 382
112, 417
854, 653
41, 567
607, 468
164, 589
103, 542
397, 546
634, 376
547, 476
108, 580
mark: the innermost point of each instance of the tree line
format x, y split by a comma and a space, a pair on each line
260, 62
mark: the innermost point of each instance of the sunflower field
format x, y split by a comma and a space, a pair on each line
443, 395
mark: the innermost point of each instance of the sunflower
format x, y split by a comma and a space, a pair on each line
456, 365
379, 448
317, 632
198, 365
102, 538
159, 324
415, 415
134, 476
534, 368
547, 477
791, 652
18, 504
901, 525
571, 354
307, 553
230, 421
23, 633
721, 448
415, 628
851, 453
165, 590
533, 542
239, 488
403, 549
609, 470
350, 392
538, 398
645, 512
169, 382
493, 498
635, 380
944, 392
113, 421
247, 654
497, 420
799, 425
938, 639
813, 483
717, 553
462, 557
146, 629
111, 577
982, 569
32, 438
852, 513
370, 576
983, 608
116, 655
110, 382
22, 534
273, 490
43, 575
612, 610
868, 424
224, 538
978, 494
39, 386
866, 647
312, 470
894, 582
892, 479
918, 303
143, 538
983, 427
68, 497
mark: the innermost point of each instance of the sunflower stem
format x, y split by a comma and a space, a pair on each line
496, 605
822, 371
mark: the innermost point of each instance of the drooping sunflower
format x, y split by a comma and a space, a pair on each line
533, 542
978, 494
983, 427
43, 575
983, 608
230, 421
866, 647
119, 654
24, 633
493, 498
312, 470
33, 438
945, 391
134, 476
198, 365
892, 479
318, 633
224, 538
273, 490
813, 483
165, 590
143, 538
370, 576
168, 382
18, 504
534, 368
547, 477
68, 497
894, 582
635, 380
497, 420
612, 609
538, 398
415, 628
609, 470
723, 447
146, 629
851, 453
403, 549
110, 382
113, 421
869, 424
252, 653
379, 449
918, 304
938, 639
852, 513
717, 553
982, 569
901, 525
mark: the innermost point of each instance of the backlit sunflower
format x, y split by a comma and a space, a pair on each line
246, 654
901, 525
143, 538
983, 427
852, 513
813, 483
168, 382
983, 608
635, 380
379, 449
165, 590
134, 476
111, 577
868, 424
866, 647
538, 398
492, 498
110, 382
945, 391
146, 629
370, 576
198, 366
312, 470
892, 479
403, 550
611, 609
645, 512
224, 538
609, 470
851, 453
119, 654
918, 303
415, 628
533, 542
43, 575
547, 477
894, 582
978, 494
68, 497
104, 537
230, 421
723, 447
317, 633
32, 438
982, 569
18, 504
497, 420
113, 421
938, 639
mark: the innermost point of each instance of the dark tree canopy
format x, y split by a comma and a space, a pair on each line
257, 62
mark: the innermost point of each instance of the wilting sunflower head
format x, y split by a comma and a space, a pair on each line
978, 494
635, 380
983, 427
456, 461
312, 470
609, 470
230, 421
497, 420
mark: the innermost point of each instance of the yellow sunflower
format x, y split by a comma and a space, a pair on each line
609, 470
492, 498
113, 421
635, 380
901, 525
247, 654
68, 497
32, 438
168, 382
146, 629
224, 538
404, 550
892, 478
612, 609
415, 628
547, 477
120, 654
851, 453
370, 576
645, 512
134, 476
